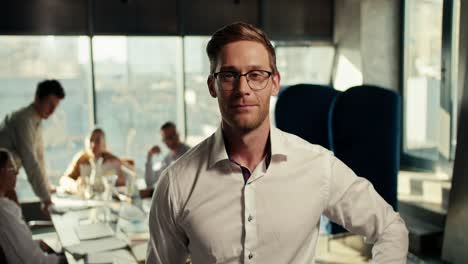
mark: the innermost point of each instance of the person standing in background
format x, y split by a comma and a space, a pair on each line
21, 134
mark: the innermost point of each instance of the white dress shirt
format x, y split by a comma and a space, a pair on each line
152, 176
21, 134
202, 208
16, 238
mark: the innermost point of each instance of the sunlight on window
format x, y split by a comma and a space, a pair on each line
347, 75
27, 60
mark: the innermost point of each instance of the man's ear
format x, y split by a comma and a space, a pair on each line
211, 86
276, 79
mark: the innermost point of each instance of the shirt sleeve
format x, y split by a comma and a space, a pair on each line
354, 204
168, 242
32, 163
152, 176
18, 246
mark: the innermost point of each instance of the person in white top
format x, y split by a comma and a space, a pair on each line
21, 134
170, 137
16, 242
251, 193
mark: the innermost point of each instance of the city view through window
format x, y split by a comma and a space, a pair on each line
140, 83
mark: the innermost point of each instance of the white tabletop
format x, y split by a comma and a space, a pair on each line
128, 221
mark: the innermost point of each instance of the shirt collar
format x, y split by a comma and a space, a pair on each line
218, 150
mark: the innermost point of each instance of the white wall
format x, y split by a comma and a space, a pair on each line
367, 36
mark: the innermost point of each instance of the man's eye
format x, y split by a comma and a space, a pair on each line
254, 75
228, 75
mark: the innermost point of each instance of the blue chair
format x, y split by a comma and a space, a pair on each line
305, 110
366, 128
366, 132
361, 126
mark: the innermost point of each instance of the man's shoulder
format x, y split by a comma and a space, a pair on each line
8, 207
193, 155
292, 143
19, 116
21, 112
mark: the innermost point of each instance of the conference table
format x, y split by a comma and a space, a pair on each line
97, 231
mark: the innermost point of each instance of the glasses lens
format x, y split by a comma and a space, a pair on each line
227, 76
258, 79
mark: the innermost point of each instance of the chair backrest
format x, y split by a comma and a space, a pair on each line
304, 110
2, 256
366, 128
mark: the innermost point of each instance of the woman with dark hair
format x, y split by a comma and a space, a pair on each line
16, 242
95, 150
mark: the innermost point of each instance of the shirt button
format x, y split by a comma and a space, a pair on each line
250, 256
250, 218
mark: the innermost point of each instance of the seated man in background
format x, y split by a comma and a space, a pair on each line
16, 242
95, 149
170, 137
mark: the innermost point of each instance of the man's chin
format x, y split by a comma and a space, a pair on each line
246, 125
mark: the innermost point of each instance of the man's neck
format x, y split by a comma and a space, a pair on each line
247, 148
176, 149
36, 109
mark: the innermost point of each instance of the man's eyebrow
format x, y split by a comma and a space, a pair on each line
228, 68
234, 69
256, 67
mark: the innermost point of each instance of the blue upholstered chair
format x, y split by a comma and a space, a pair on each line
304, 110
361, 126
366, 129
366, 132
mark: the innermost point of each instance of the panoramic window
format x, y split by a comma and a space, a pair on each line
138, 88
430, 89
202, 110
423, 115
27, 60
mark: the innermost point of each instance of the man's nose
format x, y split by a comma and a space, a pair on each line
242, 85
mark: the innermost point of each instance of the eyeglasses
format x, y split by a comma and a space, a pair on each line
11, 170
256, 79
170, 138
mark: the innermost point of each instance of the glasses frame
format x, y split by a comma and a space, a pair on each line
11, 170
238, 75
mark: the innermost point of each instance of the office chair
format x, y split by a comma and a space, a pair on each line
366, 130
304, 110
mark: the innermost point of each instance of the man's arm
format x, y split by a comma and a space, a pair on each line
354, 204
25, 136
152, 176
168, 242
18, 246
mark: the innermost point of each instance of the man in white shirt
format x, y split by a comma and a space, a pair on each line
16, 242
170, 137
251, 193
21, 134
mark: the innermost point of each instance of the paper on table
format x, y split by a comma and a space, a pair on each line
97, 245
140, 251
115, 257
92, 231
